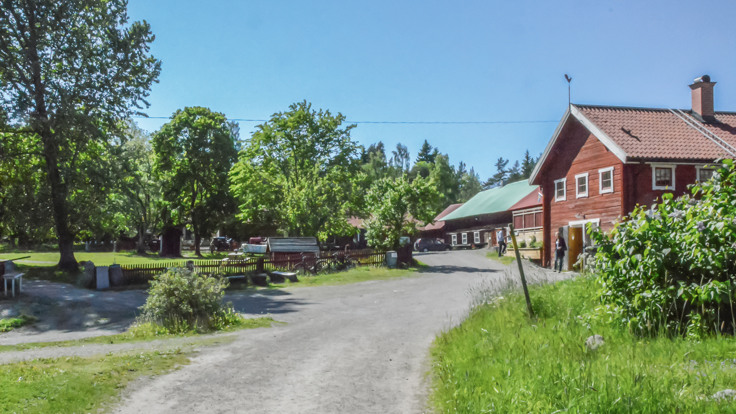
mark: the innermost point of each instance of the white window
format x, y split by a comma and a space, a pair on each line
476, 237
663, 177
465, 238
704, 173
560, 189
581, 185
605, 180
454, 239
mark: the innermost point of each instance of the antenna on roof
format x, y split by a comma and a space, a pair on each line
569, 81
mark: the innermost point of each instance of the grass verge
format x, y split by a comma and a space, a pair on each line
76, 385
9, 324
47, 259
499, 361
140, 333
354, 275
505, 260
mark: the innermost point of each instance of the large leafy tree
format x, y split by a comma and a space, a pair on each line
299, 171
194, 154
139, 192
69, 72
395, 206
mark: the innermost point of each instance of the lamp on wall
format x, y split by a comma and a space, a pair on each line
580, 215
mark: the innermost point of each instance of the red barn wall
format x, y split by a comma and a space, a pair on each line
578, 151
640, 191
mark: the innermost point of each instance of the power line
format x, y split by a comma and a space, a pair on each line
388, 122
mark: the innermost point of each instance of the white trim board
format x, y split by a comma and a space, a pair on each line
590, 126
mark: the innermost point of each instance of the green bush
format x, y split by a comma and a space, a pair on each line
672, 267
181, 300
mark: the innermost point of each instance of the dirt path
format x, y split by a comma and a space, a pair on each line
359, 348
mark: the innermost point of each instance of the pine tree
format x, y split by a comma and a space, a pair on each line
427, 153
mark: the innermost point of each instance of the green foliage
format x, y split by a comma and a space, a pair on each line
11, 323
70, 71
194, 154
499, 361
427, 153
180, 300
394, 206
672, 267
299, 171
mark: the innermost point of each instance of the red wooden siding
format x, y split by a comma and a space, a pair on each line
640, 190
577, 152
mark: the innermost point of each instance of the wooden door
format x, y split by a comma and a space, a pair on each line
574, 245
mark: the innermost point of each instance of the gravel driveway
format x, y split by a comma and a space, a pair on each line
360, 348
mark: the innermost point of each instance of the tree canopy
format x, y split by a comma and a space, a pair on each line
299, 171
69, 72
194, 154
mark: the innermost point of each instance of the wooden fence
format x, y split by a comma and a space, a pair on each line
142, 273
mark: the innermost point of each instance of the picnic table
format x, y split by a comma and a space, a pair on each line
10, 274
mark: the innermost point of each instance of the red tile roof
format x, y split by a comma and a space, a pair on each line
662, 134
438, 223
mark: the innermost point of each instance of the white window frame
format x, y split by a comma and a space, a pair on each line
476, 237
564, 189
454, 239
654, 177
699, 168
578, 193
465, 238
602, 171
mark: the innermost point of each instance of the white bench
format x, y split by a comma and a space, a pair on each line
12, 277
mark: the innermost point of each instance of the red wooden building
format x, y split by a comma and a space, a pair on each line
604, 160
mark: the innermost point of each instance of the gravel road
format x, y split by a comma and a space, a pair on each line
360, 348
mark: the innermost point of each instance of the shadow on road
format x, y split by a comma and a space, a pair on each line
265, 302
454, 268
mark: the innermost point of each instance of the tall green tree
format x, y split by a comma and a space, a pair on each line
514, 173
445, 180
400, 158
69, 72
500, 176
194, 154
469, 186
139, 191
527, 165
299, 170
395, 206
427, 153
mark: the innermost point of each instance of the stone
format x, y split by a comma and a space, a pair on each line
276, 277
116, 276
594, 342
727, 394
190, 265
9, 313
259, 279
103, 277
88, 275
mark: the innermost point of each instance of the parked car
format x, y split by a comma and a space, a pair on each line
219, 244
425, 245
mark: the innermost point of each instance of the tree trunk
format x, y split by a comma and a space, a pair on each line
197, 241
141, 245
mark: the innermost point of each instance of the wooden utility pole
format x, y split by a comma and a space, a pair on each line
521, 272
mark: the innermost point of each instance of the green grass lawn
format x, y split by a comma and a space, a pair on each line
45, 259
77, 385
500, 361
505, 260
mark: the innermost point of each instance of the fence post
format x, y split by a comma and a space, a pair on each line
521, 272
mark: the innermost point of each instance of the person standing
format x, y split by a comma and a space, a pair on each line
501, 239
560, 248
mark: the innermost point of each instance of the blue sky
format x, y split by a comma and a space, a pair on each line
437, 61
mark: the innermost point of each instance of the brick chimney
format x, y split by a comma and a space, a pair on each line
702, 91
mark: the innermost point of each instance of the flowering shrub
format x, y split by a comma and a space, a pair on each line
181, 300
672, 267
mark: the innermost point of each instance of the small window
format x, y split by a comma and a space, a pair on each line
705, 173
454, 239
663, 177
560, 190
605, 180
465, 238
581, 185
476, 237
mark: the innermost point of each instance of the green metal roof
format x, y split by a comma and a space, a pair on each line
494, 200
